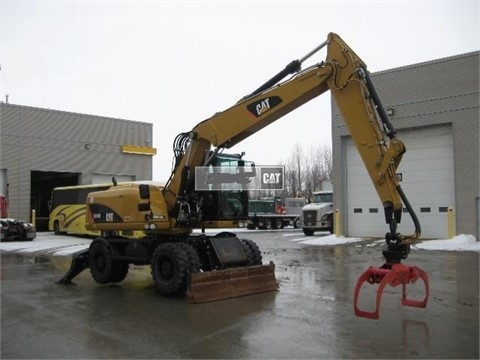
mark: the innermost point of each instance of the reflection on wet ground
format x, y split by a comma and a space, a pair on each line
311, 316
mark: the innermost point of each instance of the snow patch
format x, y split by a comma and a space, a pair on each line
48, 243
457, 243
331, 240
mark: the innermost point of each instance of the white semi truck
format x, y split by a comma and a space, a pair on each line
318, 214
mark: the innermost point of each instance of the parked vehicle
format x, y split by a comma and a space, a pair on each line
16, 230
3, 206
274, 213
67, 209
318, 215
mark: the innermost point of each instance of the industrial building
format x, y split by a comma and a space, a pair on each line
41, 149
434, 107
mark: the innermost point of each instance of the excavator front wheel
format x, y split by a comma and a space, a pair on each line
170, 269
252, 251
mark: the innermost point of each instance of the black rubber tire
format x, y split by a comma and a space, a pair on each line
194, 263
56, 229
296, 223
267, 224
120, 271
170, 269
308, 232
278, 223
120, 268
101, 262
253, 253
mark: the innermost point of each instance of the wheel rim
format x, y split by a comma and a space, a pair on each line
167, 268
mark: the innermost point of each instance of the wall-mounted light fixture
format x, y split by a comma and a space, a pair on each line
390, 111
87, 146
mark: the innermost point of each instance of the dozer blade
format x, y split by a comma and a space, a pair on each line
394, 275
229, 283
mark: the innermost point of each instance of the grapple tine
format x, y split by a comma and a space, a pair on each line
370, 276
415, 274
234, 282
393, 275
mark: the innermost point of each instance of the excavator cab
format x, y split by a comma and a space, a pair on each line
225, 202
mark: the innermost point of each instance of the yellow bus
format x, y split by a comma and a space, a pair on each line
67, 209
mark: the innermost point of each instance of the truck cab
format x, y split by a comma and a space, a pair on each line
318, 214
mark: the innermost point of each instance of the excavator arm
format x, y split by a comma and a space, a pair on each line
345, 75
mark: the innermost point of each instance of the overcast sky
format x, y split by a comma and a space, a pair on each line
175, 64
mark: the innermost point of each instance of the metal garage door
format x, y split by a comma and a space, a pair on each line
427, 178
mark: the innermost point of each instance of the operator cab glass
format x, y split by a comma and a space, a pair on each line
226, 199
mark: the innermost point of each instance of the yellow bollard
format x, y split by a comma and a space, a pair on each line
33, 217
450, 227
337, 223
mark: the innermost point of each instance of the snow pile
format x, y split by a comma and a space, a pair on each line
457, 243
330, 240
47, 243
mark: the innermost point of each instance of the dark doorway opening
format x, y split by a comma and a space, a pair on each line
42, 184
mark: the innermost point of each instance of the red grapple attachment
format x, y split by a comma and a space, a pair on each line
394, 275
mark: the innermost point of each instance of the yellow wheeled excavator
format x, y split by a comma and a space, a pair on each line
213, 267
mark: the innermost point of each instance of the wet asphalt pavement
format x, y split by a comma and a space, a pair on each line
311, 316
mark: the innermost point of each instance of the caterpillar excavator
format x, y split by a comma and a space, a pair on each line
214, 267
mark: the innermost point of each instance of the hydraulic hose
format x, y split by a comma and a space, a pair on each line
410, 210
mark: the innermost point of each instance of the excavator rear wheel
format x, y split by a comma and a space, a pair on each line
100, 261
120, 268
170, 269
103, 267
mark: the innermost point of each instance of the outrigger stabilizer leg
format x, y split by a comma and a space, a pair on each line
80, 262
392, 272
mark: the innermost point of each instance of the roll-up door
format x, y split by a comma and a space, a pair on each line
426, 175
